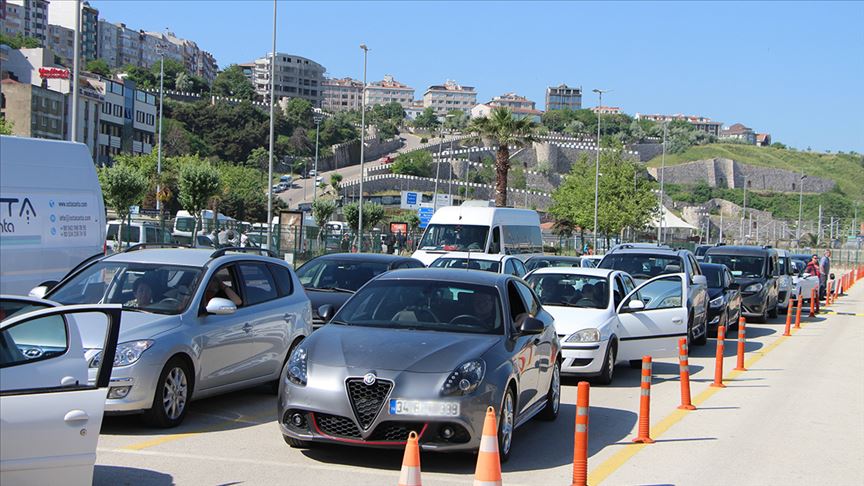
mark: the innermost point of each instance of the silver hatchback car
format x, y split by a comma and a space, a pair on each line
195, 323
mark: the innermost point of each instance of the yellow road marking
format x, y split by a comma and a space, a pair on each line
599, 474
248, 420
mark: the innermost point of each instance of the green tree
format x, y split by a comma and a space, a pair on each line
143, 78
19, 41
501, 129
322, 210
6, 126
387, 129
298, 113
427, 119
517, 178
417, 163
232, 83
98, 66
456, 120
336, 181
241, 194
372, 215
122, 186
198, 182
173, 69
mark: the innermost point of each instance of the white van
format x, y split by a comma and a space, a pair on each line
52, 216
504, 231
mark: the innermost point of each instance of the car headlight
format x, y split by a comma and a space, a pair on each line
465, 378
297, 367
127, 353
756, 287
585, 336
716, 302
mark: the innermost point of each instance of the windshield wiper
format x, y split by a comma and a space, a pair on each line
343, 323
332, 289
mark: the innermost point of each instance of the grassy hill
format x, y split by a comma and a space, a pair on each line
845, 169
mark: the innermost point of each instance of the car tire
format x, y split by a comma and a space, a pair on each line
764, 317
506, 424
608, 371
701, 340
173, 392
553, 396
295, 443
773, 312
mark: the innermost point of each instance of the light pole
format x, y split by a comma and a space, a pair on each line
73, 132
744, 211
662, 179
317, 117
800, 208
362, 145
272, 138
597, 164
159, 141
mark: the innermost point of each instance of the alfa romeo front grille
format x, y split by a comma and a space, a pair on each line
367, 400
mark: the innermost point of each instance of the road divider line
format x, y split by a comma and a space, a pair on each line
612, 464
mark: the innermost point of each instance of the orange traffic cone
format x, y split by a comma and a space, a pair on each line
410, 475
488, 472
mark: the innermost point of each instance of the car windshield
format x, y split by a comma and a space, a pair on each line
334, 274
572, 290
740, 265
162, 289
431, 305
643, 266
472, 264
533, 263
714, 276
454, 237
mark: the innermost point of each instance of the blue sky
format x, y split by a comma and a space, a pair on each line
793, 69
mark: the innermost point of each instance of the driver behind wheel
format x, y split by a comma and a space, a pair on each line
142, 289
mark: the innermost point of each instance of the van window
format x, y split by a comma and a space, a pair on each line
133, 231
520, 240
740, 265
454, 237
495, 246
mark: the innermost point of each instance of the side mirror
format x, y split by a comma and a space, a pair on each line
42, 289
531, 325
221, 307
700, 280
635, 305
326, 312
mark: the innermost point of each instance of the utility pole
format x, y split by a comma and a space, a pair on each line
317, 117
800, 208
720, 239
362, 152
744, 211
159, 142
272, 138
597, 165
819, 232
662, 179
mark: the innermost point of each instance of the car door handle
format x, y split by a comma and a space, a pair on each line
677, 321
288, 317
75, 416
247, 327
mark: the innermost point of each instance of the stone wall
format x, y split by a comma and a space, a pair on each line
727, 173
349, 153
647, 151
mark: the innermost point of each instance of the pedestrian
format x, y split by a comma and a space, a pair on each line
391, 243
400, 242
223, 238
825, 269
345, 244
244, 240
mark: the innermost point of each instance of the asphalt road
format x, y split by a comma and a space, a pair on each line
796, 417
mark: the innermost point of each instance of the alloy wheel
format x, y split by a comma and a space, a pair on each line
174, 393
556, 388
507, 418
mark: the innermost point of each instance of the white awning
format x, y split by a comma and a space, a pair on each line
672, 221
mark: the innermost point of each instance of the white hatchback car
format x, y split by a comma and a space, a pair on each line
603, 319
504, 264
50, 413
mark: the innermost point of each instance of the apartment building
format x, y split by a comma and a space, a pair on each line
11, 19
344, 94
127, 120
563, 97
119, 45
198, 62
296, 77
520, 107
62, 13
450, 96
389, 90
33, 110
512, 100
32, 16
701, 123
61, 41
739, 132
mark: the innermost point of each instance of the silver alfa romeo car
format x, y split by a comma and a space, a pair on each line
426, 350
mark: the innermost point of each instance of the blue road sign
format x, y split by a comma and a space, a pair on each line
425, 214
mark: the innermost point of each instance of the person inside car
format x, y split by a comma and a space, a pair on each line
142, 289
217, 288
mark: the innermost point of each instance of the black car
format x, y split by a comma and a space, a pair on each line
724, 308
332, 279
756, 270
543, 261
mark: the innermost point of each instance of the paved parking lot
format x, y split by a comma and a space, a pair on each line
796, 417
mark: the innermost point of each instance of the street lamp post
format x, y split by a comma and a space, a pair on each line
317, 117
744, 210
73, 84
159, 141
800, 209
362, 145
270, 161
597, 164
662, 179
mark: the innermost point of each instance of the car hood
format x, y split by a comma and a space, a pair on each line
395, 349
714, 292
571, 319
134, 326
318, 298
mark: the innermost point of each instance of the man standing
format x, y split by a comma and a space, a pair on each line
824, 268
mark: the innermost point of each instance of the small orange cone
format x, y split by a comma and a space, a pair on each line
410, 475
488, 472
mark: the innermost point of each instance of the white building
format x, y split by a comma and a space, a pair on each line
32, 16
344, 94
450, 96
387, 91
62, 13
296, 77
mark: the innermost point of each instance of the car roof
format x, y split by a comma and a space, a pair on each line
447, 275
739, 250
559, 258
473, 256
718, 266
187, 257
364, 257
593, 272
645, 250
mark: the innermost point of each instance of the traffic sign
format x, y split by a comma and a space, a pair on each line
411, 199
425, 214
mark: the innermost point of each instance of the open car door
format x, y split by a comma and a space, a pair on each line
653, 318
49, 413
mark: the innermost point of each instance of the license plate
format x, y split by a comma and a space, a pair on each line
423, 407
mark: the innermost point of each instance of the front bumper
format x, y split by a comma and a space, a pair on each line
321, 411
137, 381
753, 305
714, 315
583, 359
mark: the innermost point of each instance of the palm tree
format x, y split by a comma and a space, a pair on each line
501, 129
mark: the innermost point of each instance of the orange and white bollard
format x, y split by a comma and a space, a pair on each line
829, 287
488, 472
718, 365
580, 438
798, 313
644, 433
789, 311
684, 365
742, 341
813, 301
410, 474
